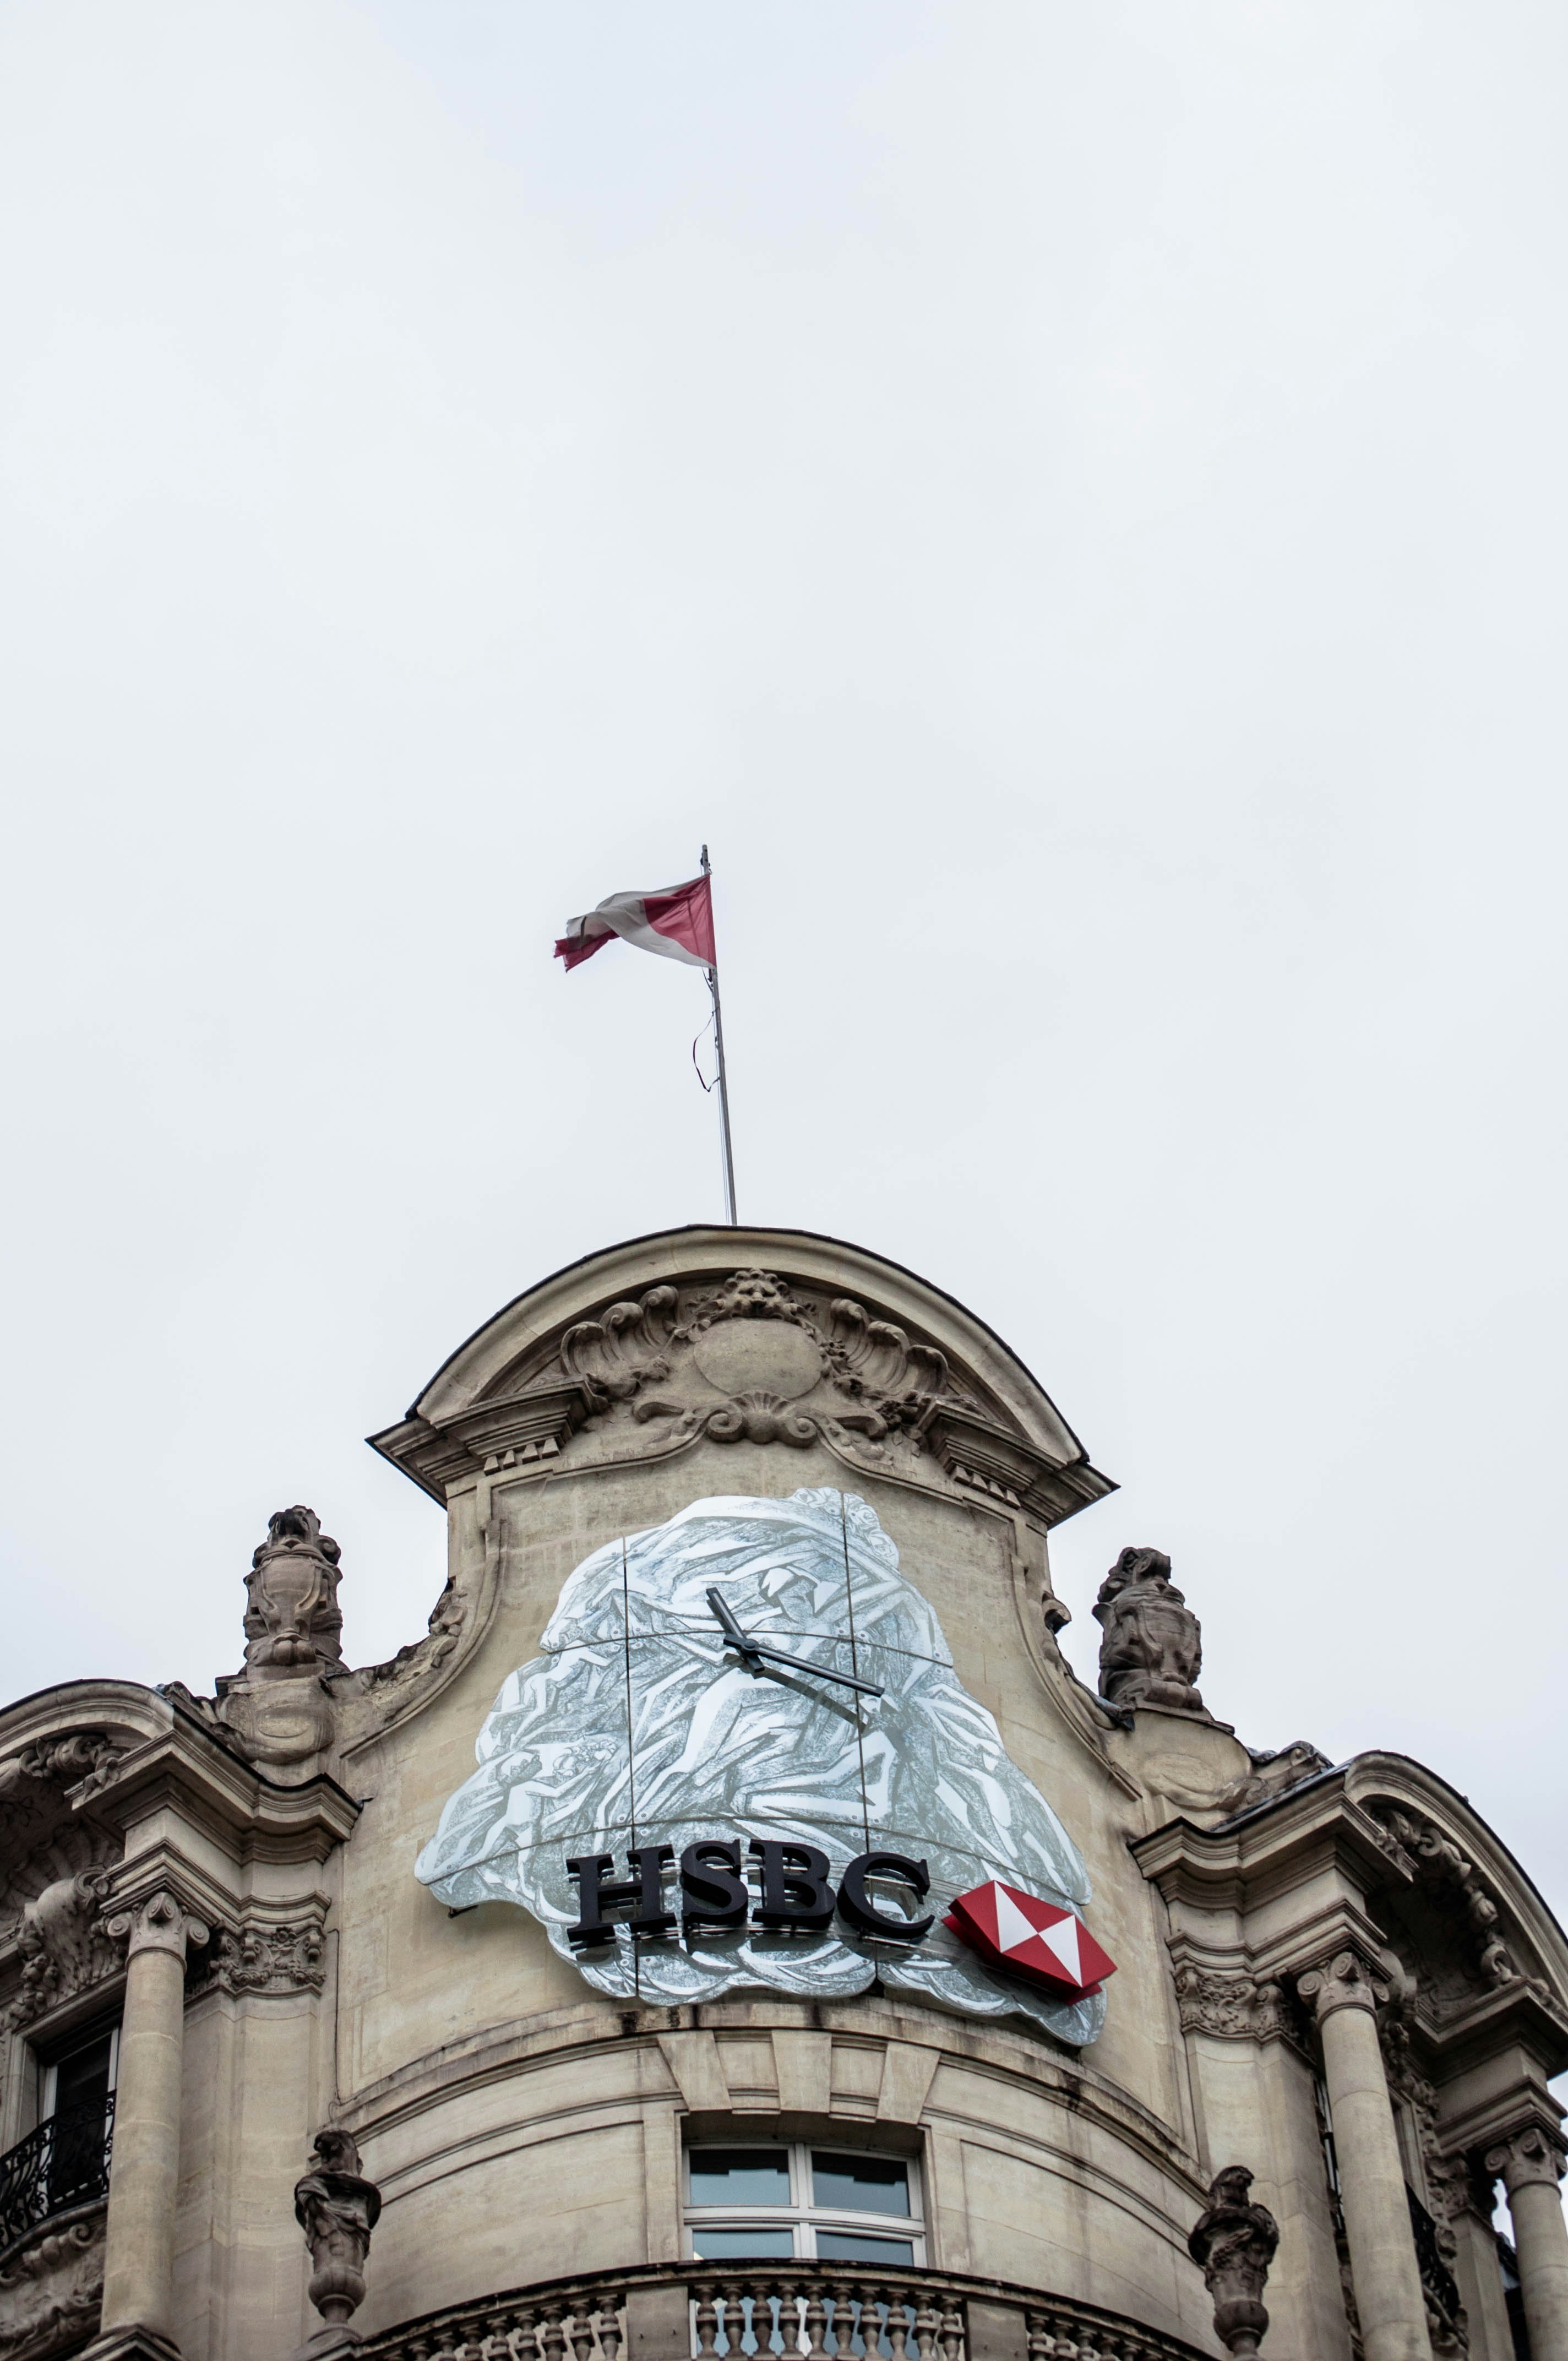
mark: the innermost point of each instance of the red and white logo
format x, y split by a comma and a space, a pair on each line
1031, 1938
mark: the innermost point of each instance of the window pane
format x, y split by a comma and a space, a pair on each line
860, 2184
740, 2176
856, 2246
712, 2245
84, 2076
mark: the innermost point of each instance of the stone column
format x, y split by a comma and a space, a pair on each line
1372, 2176
138, 2257
1531, 2161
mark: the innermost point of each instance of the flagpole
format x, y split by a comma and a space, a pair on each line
730, 1213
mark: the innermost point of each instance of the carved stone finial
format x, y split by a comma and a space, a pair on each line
279, 1709
337, 2210
293, 1622
1152, 1651
1233, 2244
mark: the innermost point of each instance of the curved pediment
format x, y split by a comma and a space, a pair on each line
1456, 1900
712, 1334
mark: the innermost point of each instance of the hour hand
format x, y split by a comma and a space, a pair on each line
753, 1652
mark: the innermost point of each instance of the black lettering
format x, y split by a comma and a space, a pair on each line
713, 1892
856, 1904
644, 1887
795, 1892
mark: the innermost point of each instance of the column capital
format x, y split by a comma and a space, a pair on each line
1346, 1981
156, 1922
1532, 2153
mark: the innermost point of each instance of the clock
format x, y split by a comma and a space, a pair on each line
736, 1719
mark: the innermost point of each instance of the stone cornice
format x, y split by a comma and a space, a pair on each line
1268, 1850
251, 1817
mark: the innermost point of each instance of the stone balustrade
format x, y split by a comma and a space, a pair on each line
821, 2311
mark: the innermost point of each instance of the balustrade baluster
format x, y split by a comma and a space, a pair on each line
898, 2322
952, 2330
707, 2320
816, 2321
554, 2340
606, 2328
871, 2320
926, 2325
789, 2316
843, 2297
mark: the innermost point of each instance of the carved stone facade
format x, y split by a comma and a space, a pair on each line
1152, 1651
50, 2291
229, 1882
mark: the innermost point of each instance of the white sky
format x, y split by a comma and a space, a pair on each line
1070, 501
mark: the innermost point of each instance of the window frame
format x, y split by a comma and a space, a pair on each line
802, 2216
62, 2052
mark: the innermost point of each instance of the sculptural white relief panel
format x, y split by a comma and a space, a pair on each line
640, 1725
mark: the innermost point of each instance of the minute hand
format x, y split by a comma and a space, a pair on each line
747, 1647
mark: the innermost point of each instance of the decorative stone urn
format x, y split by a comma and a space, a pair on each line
337, 2210
1233, 2244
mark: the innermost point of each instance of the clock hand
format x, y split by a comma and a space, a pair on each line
752, 1650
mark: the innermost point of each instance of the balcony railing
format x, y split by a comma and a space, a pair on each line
717, 2312
64, 2163
1438, 2283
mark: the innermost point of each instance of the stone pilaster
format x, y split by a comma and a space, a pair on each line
1531, 2161
1372, 2179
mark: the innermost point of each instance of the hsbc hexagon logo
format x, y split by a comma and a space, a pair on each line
1031, 1939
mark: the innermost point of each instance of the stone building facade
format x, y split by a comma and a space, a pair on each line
734, 1927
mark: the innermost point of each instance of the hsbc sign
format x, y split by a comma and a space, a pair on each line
1016, 1933
1031, 1938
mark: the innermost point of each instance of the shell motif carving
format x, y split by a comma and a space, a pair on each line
756, 1343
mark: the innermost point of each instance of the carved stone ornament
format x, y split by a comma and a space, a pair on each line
1273, 1773
1532, 2155
1230, 2004
1347, 1981
51, 2292
337, 2210
758, 1357
89, 1755
273, 1960
1232, 2243
280, 1709
64, 1944
1152, 1651
1438, 1861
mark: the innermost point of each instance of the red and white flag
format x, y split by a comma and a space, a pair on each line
676, 921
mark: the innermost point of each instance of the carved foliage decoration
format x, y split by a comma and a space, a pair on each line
80, 1755
1152, 1651
51, 2292
264, 1960
1439, 1863
868, 1377
1231, 2003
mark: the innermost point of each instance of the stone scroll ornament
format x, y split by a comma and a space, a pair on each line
1233, 2244
640, 1726
337, 2210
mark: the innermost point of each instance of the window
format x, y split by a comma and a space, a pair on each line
836, 2204
77, 2094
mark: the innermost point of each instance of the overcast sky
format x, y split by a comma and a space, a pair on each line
1068, 501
